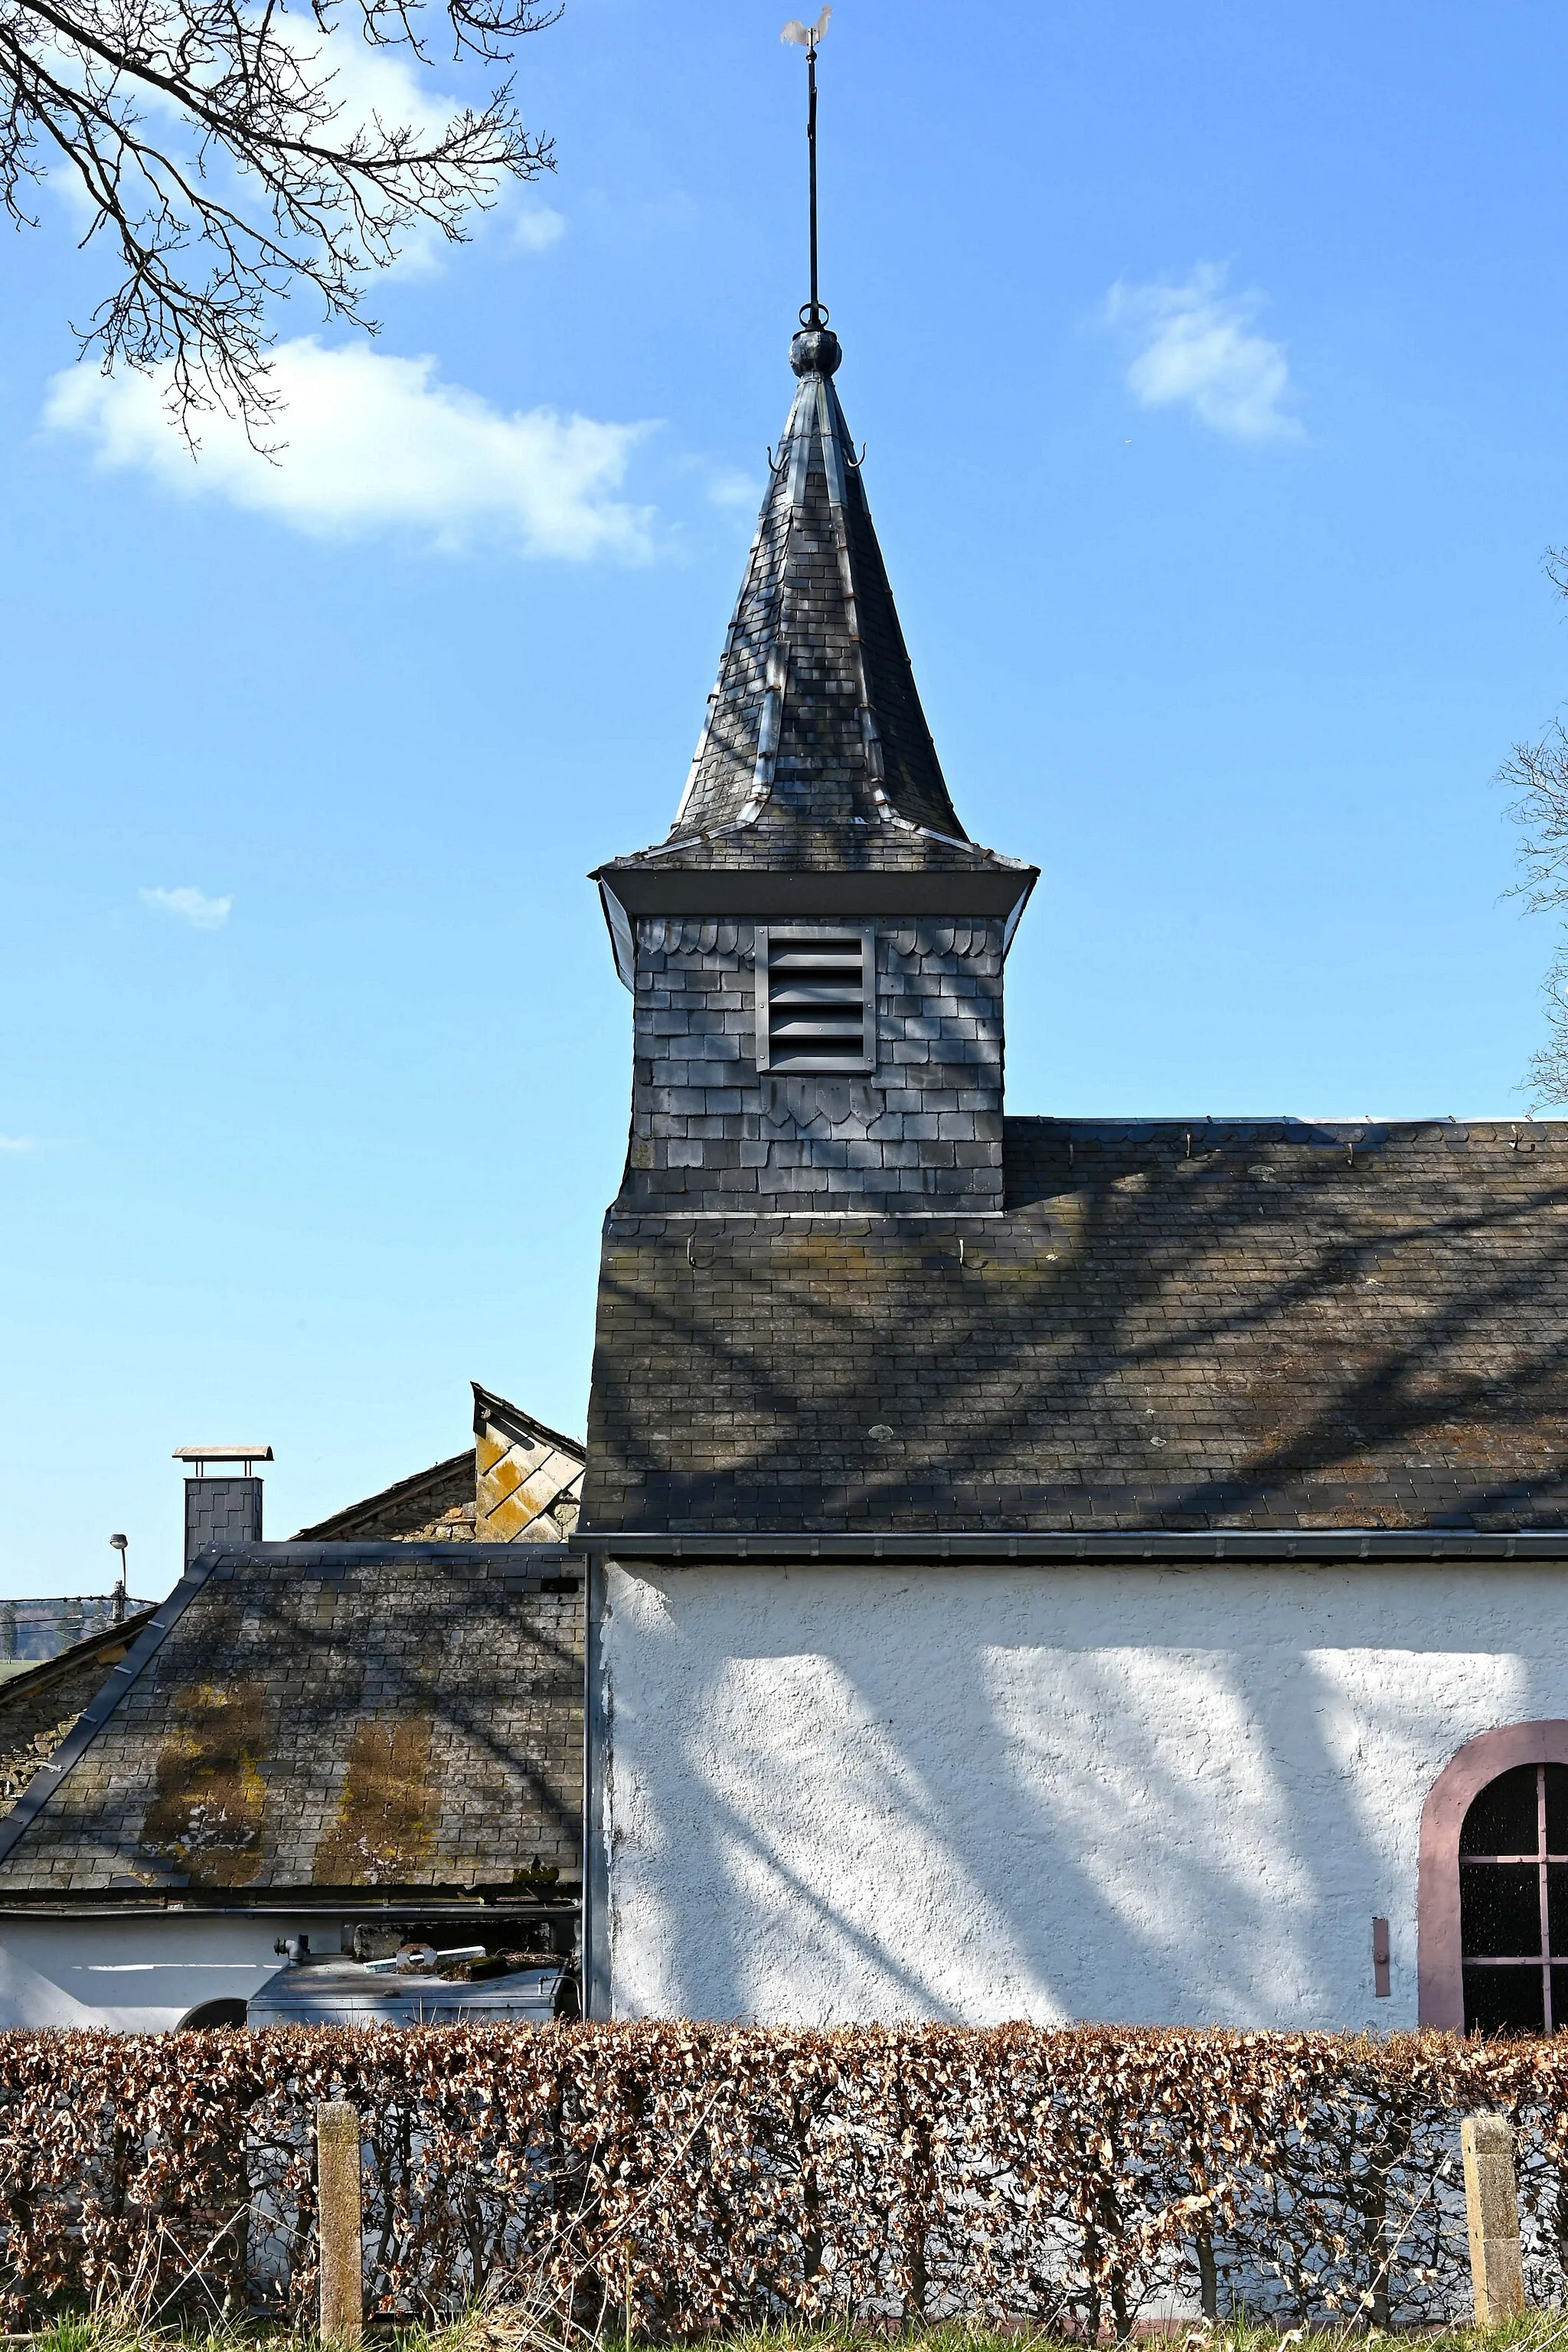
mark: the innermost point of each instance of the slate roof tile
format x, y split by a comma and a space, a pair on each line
1179, 1324
402, 1714
815, 755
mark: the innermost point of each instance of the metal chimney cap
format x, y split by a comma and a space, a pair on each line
201, 1454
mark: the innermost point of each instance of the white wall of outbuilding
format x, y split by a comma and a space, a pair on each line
139, 1974
1144, 1794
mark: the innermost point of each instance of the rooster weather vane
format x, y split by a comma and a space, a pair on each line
807, 37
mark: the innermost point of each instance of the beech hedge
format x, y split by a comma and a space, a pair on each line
683, 2180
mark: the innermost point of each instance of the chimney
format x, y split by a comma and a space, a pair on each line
226, 1509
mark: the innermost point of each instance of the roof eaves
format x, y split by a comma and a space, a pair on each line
1169, 1547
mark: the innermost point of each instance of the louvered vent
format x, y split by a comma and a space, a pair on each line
815, 999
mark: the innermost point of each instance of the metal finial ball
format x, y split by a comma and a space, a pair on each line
816, 350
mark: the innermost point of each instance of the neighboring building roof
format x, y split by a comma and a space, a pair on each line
520, 1484
815, 755
31, 1631
433, 1505
528, 1478
1173, 1324
39, 1705
394, 1717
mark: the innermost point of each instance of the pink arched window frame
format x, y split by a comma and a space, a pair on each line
1439, 1959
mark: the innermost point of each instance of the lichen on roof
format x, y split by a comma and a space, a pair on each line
336, 1715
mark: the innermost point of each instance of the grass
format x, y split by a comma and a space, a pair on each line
500, 2329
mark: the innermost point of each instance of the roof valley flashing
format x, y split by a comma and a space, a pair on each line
840, 1293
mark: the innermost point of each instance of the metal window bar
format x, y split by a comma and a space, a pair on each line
1542, 1958
817, 1000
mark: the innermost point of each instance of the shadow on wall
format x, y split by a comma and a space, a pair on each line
1130, 1794
1251, 1325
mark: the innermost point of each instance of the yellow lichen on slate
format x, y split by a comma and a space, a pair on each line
527, 1489
207, 1817
384, 1831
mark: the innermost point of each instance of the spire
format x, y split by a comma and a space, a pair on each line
815, 720
816, 770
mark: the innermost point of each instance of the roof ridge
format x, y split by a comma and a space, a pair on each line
576, 1446
322, 1532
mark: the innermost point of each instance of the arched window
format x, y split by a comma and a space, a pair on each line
1492, 1907
1514, 1902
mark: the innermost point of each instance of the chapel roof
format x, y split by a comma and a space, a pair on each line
815, 755
1202, 1324
390, 1717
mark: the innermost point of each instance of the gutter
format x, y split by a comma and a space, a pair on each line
132, 1902
1169, 1548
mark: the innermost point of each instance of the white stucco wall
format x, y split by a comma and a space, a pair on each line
1148, 1795
138, 1976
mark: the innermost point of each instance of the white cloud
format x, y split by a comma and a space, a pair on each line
18, 1143
538, 227
369, 86
1199, 348
371, 89
376, 443
729, 487
193, 907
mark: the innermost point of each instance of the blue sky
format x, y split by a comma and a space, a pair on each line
1211, 364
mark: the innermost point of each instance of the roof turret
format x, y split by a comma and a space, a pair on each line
816, 789
815, 718
815, 757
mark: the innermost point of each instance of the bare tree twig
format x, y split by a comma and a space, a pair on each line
1536, 776
220, 161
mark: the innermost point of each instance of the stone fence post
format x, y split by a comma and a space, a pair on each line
1492, 2209
338, 2222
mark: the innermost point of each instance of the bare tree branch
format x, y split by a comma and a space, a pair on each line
220, 160
1537, 777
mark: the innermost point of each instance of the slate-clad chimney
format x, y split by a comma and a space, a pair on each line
815, 953
226, 1509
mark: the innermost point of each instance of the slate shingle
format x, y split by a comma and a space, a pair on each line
1170, 1326
364, 1715
815, 755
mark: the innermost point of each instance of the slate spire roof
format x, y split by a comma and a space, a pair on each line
815, 751
815, 713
